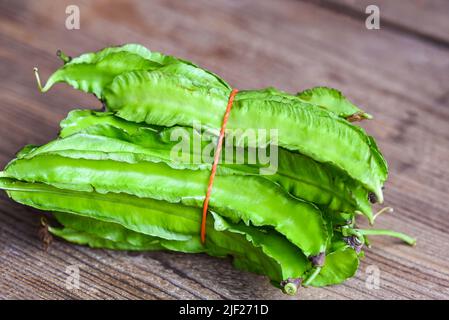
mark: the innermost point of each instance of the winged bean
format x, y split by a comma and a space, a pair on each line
335, 101
108, 137
174, 95
112, 180
262, 252
91, 72
300, 222
168, 100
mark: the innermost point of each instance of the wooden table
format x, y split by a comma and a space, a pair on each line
399, 73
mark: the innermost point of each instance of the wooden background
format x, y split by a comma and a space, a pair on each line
399, 73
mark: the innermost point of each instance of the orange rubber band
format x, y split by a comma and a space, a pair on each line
214, 165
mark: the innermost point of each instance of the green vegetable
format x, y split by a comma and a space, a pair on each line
335, 101
259, 202
253, 251
91, 72
340, 265
110, 232
341, 262
107, 137
284, 200
94, 241
172, 96
168, 100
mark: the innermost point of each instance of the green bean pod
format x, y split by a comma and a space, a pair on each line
258, 201
122, 180
117, 139
92, 72
341, 260
167, 100
144, 86
261, 252
333, 100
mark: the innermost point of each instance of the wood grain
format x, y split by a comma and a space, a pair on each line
400, 78
425, 19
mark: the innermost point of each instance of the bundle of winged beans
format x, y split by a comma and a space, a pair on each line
293, 174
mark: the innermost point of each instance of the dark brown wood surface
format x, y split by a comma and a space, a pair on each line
401, 76
421, 18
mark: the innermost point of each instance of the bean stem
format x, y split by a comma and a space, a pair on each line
312, 276
65, 58
382, 211
370, 218
381, 232
353, 232
291, 288
291, 285
38, 79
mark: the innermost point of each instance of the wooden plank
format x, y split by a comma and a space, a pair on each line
422, 18
292, 45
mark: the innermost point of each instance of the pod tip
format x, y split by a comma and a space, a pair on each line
38, 79
290, 289
382, 211
291, 285
61, 55
359, 116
